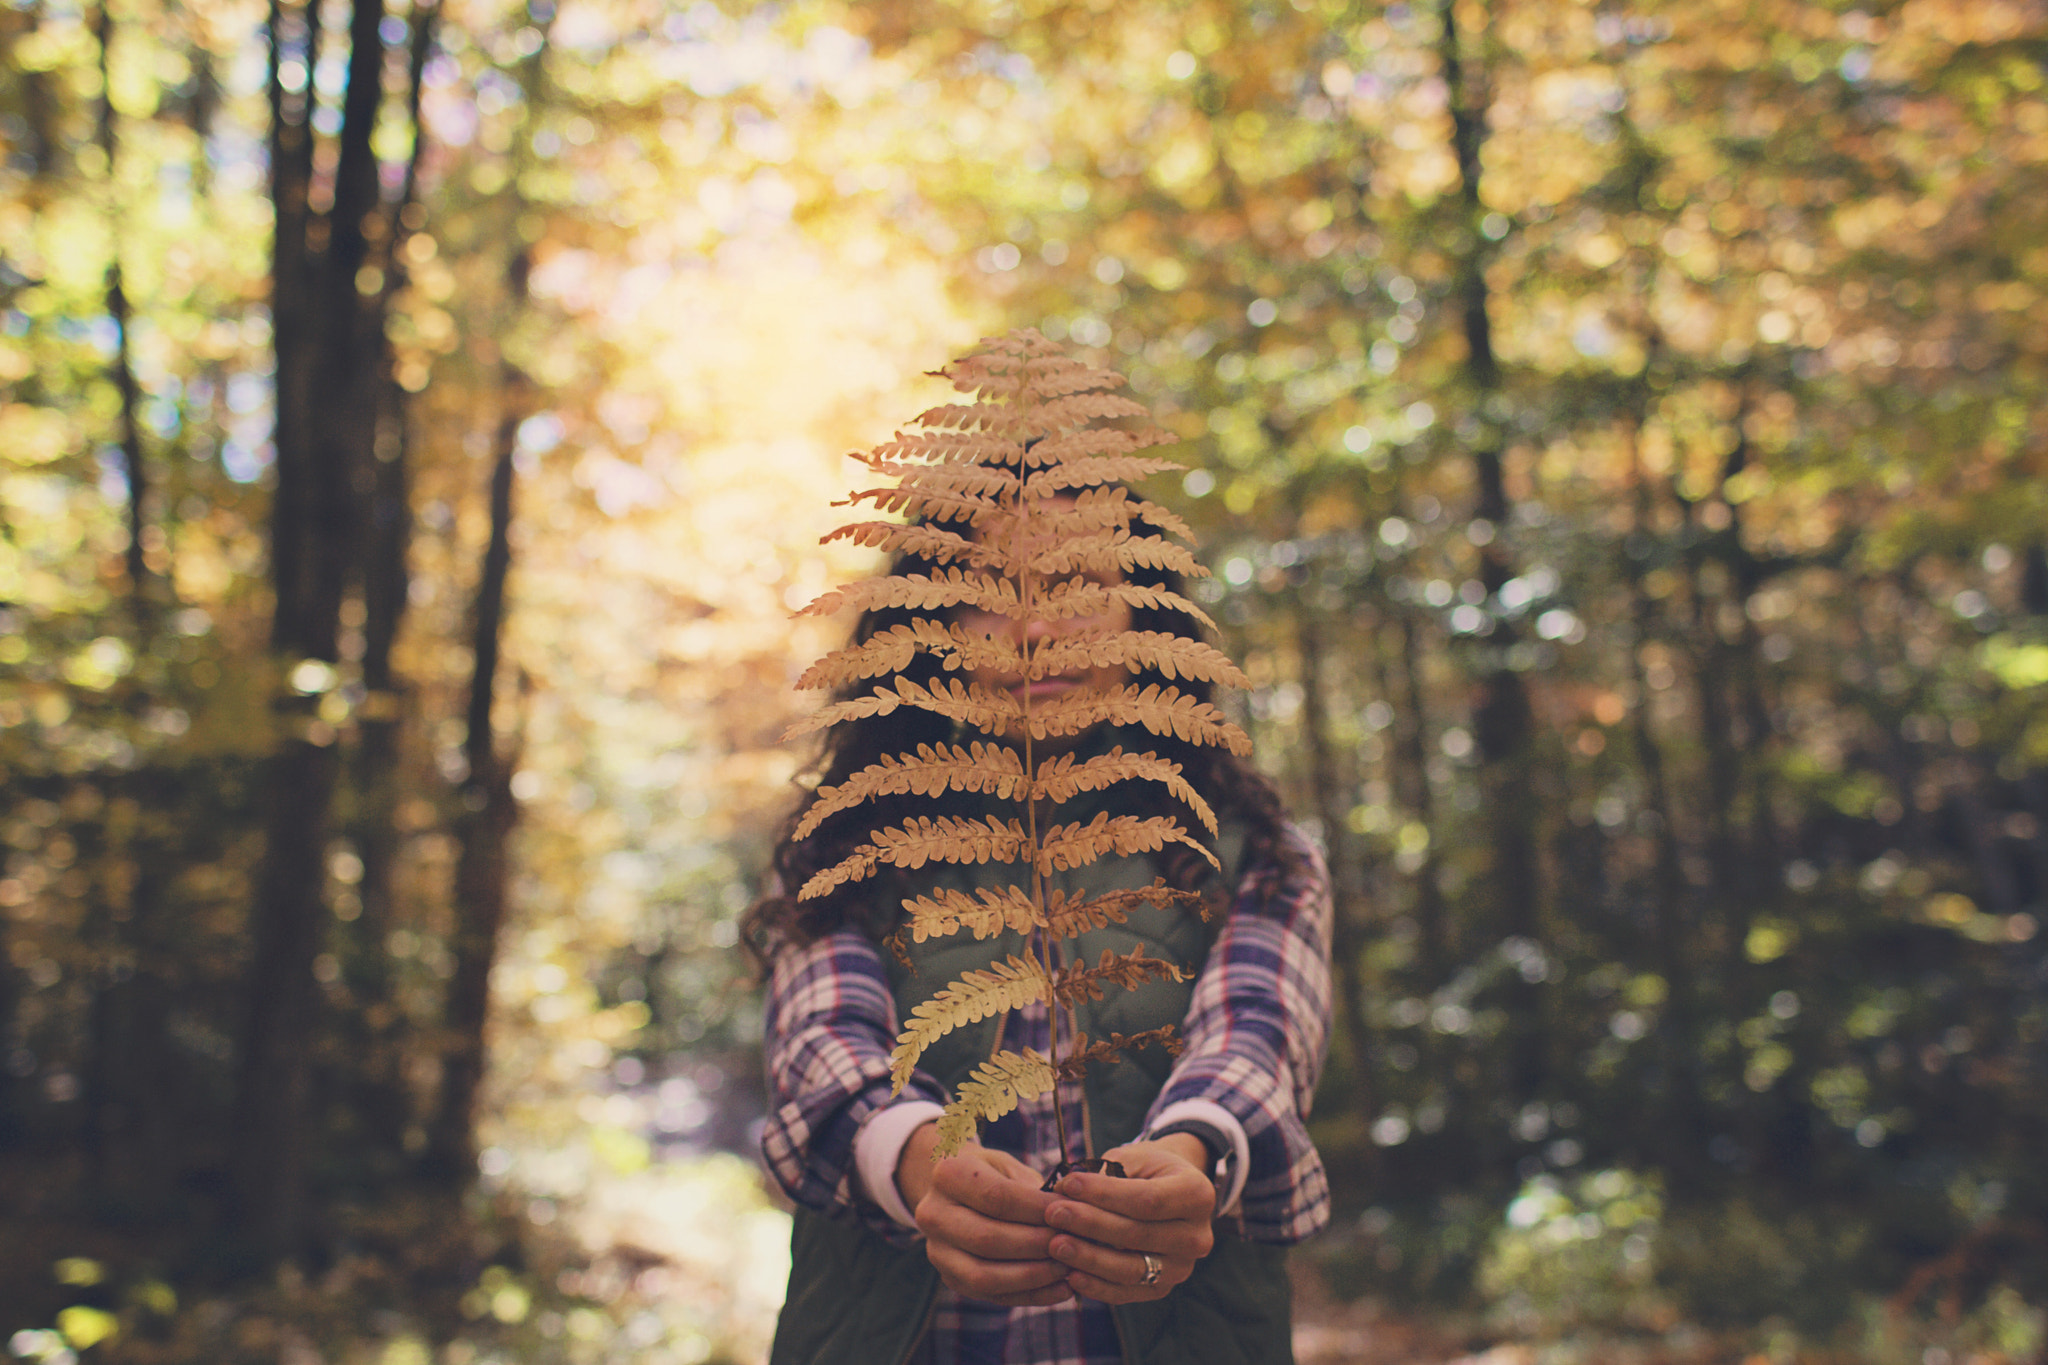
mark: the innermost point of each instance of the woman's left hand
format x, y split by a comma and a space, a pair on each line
1108, 1226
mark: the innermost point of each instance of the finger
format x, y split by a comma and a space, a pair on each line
989, 1190
1010, 1282
1109, 1291
991, 1239
1176, 1192
1111, 1266
1010, 1168
1187, 1239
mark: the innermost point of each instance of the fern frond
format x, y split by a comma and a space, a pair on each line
1162, 710
1078, 409
1007, 985
928, 541
986, 709
1061, 779
997, 1086
1075, 1065
1127, 971
957, 477
986, 913
1074, 445
1119, 550
1084, 914
947, 839
889, 651
923, 592
935, 504
952, 447
937, 769
1092, 471
1070, 846
1078, 597
1175, 656
980, 417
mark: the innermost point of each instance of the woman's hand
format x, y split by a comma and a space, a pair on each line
1162, 1207
983, 1219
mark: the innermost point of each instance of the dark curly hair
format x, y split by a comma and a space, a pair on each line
1236, 790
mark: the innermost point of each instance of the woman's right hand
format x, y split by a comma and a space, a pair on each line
983, 1218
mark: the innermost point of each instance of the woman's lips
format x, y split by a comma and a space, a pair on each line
1043, 689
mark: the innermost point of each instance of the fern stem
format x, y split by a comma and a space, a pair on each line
1048, 954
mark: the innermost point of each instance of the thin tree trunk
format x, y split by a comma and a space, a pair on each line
324, 327
482, 833
1502, 720
1347, 947
1440, 944
382, 1099
140, 581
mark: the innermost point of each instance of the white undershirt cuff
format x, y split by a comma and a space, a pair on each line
878, 1147
1224, 1122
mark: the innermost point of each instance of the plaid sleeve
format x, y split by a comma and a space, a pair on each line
831, 1023
1256, 1032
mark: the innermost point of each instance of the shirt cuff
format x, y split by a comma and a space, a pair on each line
878, 1146
1223, 1121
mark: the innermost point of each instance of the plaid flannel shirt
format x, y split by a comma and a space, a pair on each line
1255, 1035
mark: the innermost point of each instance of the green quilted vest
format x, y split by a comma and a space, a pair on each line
856, 1300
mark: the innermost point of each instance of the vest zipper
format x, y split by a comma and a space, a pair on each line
931, 1311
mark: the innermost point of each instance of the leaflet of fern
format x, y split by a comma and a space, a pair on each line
1061, 779
1173, 655
947, 839
1065, 847
935, 770
993, 1090
891, 650
1009, 984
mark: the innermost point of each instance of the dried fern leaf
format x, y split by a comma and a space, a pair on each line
891, 650
932, 503
1006, 985
1117, 550
930, 542
1070, 846
1092, 471
1061, 779
1084, 914
986, 709
997, 1086
1162, 710
1175, 656
1126, 971
1078, 597
921, 592
1056, 381
1086, 1054
1076, 445
986, 913
935, 770
947, 839
979, 417
1074, 410
952, 447
952, 478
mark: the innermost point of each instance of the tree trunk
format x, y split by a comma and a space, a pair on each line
482, 833
328, 332
1502, 720
1348, 934
381, 1104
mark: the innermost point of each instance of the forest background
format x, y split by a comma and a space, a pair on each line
1619, 433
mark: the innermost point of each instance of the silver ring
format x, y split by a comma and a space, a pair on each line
1151, 1268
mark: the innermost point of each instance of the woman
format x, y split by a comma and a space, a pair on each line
898, 1258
